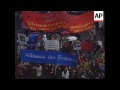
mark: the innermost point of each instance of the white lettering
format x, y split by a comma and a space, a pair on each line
30, 54
34, 56
31, 35
59, 57
26, 55
51, 57
70, 59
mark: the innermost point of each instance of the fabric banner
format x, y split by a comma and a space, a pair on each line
22, 39
49, 57
33, 38
58, 20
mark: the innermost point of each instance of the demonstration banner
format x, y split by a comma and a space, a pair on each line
22, 39
52, 45
49, 57
58, 20
76, 45
33, 38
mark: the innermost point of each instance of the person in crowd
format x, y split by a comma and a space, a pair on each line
70, 72
91, 75
103, 76
84, 75
39, 72
93, 65
65, 73
22, 46
20, 70
34, 72
80, 72
100, 43
29, 69
55, 37
82, 59
44, 38
52, 74
46, 71
59, 73
40, 45
25, 73
102, 31
96, 49
86, 64
74, 74
66, 48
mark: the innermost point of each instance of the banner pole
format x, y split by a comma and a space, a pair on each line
77, 50
55, 69
78, 53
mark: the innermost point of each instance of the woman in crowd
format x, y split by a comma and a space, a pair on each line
65, 74
39, 72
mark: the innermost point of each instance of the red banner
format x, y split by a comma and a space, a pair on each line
58, 20
87, 46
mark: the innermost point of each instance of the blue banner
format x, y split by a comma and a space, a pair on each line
33, 37
49, 57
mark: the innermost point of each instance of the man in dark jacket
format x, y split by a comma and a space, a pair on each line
59, 73
34, 73
29, 71
96, 49
25, 73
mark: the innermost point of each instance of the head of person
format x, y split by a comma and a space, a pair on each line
83, 54
69, 67
39, 65
52, 69
86, 59
59, 68
55, 36
96, 43
65, 69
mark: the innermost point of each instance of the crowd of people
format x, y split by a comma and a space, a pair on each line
91, 64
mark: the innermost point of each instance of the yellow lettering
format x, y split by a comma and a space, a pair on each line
29, 23
48, 25
32, 23
56, 23
44, 25
38, 25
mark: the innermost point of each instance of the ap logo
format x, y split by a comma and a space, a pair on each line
98, 16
